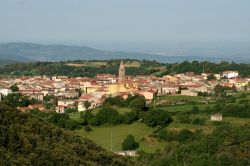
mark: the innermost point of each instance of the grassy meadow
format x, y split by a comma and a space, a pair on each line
104, 135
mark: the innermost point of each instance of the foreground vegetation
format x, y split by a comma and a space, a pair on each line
27, 140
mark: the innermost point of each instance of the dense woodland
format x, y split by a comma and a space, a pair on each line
146, 67
27, 140
226, 145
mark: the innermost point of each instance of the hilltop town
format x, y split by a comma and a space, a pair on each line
73, 92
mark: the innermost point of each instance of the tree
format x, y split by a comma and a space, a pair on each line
14, 88
87, 104
129, 143
157, 118
86, 116
41, 143
108, 115
138, 103
70, 110
184, 135
24, 101
87, 128
79, 91
195, 109
219, 90
211, 77
12, 99
129, 117
118, 101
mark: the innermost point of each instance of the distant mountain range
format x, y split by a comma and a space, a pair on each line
25, 52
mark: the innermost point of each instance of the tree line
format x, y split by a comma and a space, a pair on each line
147, 67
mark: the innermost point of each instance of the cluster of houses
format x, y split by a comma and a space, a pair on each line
74, 92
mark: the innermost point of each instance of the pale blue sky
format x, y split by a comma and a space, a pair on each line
80, 21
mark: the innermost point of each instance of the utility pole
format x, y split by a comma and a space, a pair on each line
111, 145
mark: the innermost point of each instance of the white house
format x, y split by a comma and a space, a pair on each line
230, 74
131, 153
216, 117
189, 93
5, 91
168, 89
65, 103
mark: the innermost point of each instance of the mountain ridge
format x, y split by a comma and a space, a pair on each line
30, 52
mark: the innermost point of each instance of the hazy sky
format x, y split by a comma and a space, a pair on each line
79, 21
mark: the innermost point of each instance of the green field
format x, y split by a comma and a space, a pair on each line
185, 107
104, 134
181, 97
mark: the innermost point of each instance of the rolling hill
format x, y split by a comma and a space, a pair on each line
28, 140
25, 52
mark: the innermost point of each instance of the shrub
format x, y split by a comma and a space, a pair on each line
184, 135
87, 128
162, 134
129, 143
184, 119
129, 117
198, 121
157, 118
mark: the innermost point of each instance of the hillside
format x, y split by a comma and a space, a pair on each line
133, 67
36, 52
4, 62
26, 140
83, 68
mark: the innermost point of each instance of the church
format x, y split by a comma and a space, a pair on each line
123, 84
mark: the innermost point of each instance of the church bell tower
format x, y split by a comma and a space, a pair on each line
121, 72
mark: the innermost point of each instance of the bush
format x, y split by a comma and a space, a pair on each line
162, 134
118, 101
129, 117
157, 118
94, 121
198, 121
87, 128
116, 119
184, 119
138, 103
70, 110
129, 143
168, 135
184, 135
195, 109
71, 124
